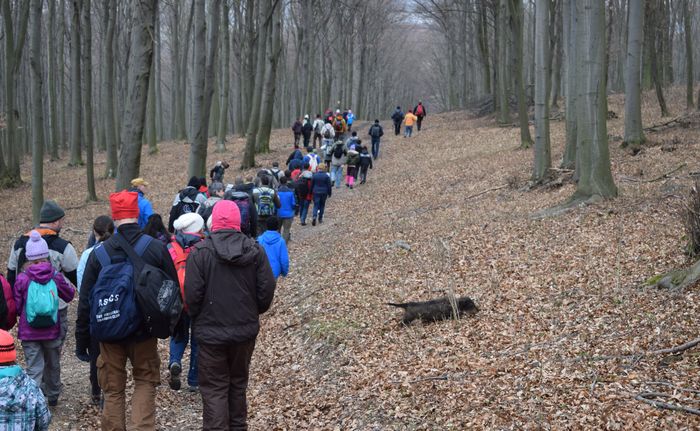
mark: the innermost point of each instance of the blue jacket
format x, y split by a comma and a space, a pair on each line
276, 250
145, 210
321, 184
287, 202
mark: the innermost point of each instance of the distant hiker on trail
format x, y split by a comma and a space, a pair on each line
127, 335
187, 200
337, 162
216, 191
233, 269
339, 125
36, 292
246, 208
296, 129
350, 118
266, 202
22, 404
302, 188
318, 128
275, 248
365, 163
420, 113
352, 141
409, 121
276, 172
189, 230
327, 149
295, 155
397, 118
140, 186
157, 229
376, 132
322, 189
216, 174
287, 205
306, 130
353, 160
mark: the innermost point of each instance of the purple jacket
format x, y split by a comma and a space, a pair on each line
41, 273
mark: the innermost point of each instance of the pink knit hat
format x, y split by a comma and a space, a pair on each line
225, 215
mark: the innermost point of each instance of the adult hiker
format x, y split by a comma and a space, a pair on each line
216, 191
247, 210
302, 189
286, 211
352, 141
337, 162
409, 121
275, 248
376, 132
312, 159
188, 232
318, 128
216, 174
365, 163
397, 118
125, 335
187, 200
339, 125
307, 129
296, 129
266, 202
140, 186
420, 113
276, 172
156, 228
232, 268
321, 189
294, 161
350, 118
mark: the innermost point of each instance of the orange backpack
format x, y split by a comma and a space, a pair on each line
179, 257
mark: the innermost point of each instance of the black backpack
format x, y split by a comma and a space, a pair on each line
157, 295
338, 151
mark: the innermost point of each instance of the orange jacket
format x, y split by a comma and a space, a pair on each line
410, 119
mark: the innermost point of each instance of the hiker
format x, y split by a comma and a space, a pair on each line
273, 180
302, 189
276, 172
286, 211
9, 319
22, 405
321, 188
156, 228
327, 149
353, 160
294, 160
420, 113
189, 230
318, 129
139, 185
409, 121
134, 340
233, 269
337, 162
266, 202
312, 159
246, 186
36, 291
275, 248
296, 129
216, 191
349, 119
365, 163
306, 129
187, 200
376, 132
203, 189
352, 141
246, 207
216, 174
102, 228
397, 118
339, 125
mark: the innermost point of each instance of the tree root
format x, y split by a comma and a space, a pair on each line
660, 177
676, 280
647, 397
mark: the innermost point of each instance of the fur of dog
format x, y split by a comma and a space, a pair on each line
435, 309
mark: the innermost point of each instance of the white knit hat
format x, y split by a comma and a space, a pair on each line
189, 223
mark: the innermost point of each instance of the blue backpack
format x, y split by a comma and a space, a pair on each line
42, 304
114, 313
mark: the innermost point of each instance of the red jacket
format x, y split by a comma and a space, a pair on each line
11, 319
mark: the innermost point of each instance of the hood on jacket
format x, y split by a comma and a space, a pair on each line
233, 247
188, 194
40, 272
187, 240
270, 237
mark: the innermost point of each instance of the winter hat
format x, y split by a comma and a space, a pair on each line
124, 205
272, 223
225, 215
7, 348
50, 212
139, 182
36, 247
189, 223
219, 163
306, 117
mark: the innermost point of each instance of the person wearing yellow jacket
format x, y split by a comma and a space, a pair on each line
409, 121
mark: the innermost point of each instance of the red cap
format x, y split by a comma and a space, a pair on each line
225, 215
124, 205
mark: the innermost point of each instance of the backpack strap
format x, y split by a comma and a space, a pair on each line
102, 255
135, 253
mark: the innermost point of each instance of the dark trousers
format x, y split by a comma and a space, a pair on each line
307, 139
317, 137
363, 173
375, 148
297, 137
420, 120
94, 353
397, 128
319, 205
223, 381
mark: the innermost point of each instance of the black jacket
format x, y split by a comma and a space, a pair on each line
228, 284
156, 254
321, 184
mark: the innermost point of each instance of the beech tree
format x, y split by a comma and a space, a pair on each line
543, 156
634, 134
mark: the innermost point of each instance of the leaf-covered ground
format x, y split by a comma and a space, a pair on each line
554, 294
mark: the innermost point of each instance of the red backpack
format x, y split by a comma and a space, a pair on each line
419, 110
179, 257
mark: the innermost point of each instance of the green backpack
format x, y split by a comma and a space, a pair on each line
42, 304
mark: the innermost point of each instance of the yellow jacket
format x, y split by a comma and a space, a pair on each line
410, 119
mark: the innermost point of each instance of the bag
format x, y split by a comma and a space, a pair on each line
179, 256
319, 126
338, 151
327, 133
114, 314
157, 295
338, 125
375, 132
328, 151
244, 209
42, 304
419, 111
266, 203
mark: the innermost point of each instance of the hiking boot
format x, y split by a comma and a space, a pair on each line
320, 220
175, 370
96, 399
53, 402
313, 222
193, 388
303, 224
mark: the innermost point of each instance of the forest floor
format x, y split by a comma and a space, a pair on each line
554, 294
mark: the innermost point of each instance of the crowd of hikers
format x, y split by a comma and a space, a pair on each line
201, 280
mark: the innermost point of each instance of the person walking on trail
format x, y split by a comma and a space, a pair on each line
353, 160
296, 129
233, 268
266, 202
140, 186
365, 164
312, 159
22, 404
216, 191
246, 207
302, 189
350, 118
287, 204
216, 174
318, 129
307, 129
36, 291
338, 159
352, 141
275, 248
420, 113
409, 121
339, 125
376, 132
187, 200
189, 230
135, 342
397, 117
294, 161
322, 189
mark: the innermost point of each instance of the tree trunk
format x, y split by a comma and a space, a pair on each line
181, 130
151, 111
543, 151
52, 78
502, 80
634, 134
87, 100
595, 177
570, 62
517, 31
37, 110
141, 53
76, 157
687, 28
270, 85
225, 87
109, 22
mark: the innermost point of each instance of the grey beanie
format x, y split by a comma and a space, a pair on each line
50, 212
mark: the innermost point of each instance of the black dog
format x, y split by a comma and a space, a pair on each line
436, 309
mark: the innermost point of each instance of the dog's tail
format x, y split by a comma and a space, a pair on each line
397, 305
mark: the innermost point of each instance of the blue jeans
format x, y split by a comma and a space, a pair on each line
408, 131
177, 351
375, 148
337, 175
304, 211
319, 205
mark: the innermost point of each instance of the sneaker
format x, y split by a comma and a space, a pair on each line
175, 370
320, 220
313, 222
303, 224
53, 402
193, 388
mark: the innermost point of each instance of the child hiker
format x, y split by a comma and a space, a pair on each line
37, 289
365, 163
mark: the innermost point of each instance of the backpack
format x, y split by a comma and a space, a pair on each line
376, 131
243, 201
338, 124
42, 304
266, 203
179, 256
327, 133
157, 295
338, 151
114, 314
419, 110
319, 126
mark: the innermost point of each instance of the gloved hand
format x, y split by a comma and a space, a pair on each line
81, 350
